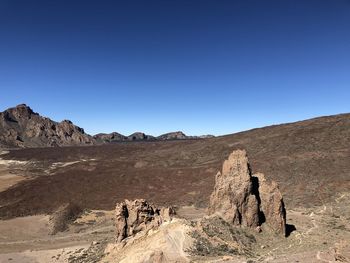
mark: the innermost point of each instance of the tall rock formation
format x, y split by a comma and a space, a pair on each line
271, 204
244, 199
22, 127
233, 197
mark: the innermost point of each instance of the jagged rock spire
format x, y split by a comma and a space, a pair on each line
244, 199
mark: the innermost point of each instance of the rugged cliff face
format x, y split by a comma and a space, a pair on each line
22, 127
241, 198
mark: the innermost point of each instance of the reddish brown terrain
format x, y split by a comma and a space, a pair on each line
56, 203
309, 160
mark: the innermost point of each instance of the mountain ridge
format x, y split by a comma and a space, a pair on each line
21, 127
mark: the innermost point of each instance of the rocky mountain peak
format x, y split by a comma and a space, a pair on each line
21, 111
67, 121
20, 126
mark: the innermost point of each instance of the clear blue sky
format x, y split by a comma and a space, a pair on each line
156, 66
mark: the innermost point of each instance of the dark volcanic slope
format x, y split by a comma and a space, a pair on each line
309, 159
22, 127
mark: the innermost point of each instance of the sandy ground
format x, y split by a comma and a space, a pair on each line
322, 232
43, 256
322, 235
8, 174
7, 179
27, 239
191, 212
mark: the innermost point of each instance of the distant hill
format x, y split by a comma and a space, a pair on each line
179, 135
22, 127
109, 137
117, 137
139, 136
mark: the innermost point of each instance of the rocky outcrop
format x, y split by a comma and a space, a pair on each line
110, 137
243, 199
271, 204
140, 136
135, 216
169, 242
173, 136
22, 127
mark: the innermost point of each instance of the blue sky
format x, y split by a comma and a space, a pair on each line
203, 67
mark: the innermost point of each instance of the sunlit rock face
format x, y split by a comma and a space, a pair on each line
20, 126
243, 199
138, 215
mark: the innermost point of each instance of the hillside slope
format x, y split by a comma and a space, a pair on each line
309, 160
